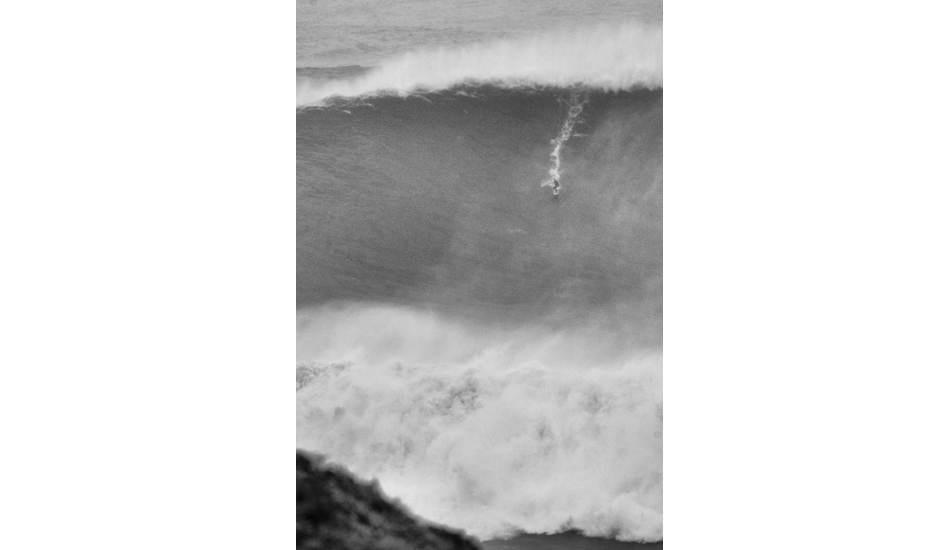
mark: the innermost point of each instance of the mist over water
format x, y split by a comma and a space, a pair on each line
608, 57
490, 353
496, 431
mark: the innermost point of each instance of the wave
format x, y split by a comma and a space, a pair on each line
434, 200
495, 431
490, 354
607, 58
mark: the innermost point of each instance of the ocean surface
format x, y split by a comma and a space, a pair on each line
485, 342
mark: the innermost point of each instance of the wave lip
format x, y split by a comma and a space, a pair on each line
606, 57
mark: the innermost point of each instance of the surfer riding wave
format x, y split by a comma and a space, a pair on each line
575, 106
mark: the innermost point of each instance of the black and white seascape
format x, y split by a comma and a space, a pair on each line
479, 259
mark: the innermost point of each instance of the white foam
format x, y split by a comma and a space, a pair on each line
488, 429
605, 57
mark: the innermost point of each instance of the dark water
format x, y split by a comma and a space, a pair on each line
435, 200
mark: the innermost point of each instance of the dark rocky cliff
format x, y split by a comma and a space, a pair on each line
337, 512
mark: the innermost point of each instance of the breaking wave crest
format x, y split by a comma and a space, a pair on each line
491, 430
607, 58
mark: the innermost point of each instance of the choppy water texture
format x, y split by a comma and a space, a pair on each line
491, 352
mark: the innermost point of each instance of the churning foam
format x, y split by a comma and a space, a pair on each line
487, 430
605, 57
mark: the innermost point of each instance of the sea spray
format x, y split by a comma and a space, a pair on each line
486, 429
575, 106
607, 57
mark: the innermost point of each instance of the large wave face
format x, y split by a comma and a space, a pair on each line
488, 351
606, 58
435, 200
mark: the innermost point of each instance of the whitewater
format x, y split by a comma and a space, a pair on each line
604, 57
526, 431
491, 354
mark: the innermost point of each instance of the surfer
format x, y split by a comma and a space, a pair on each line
555, 186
